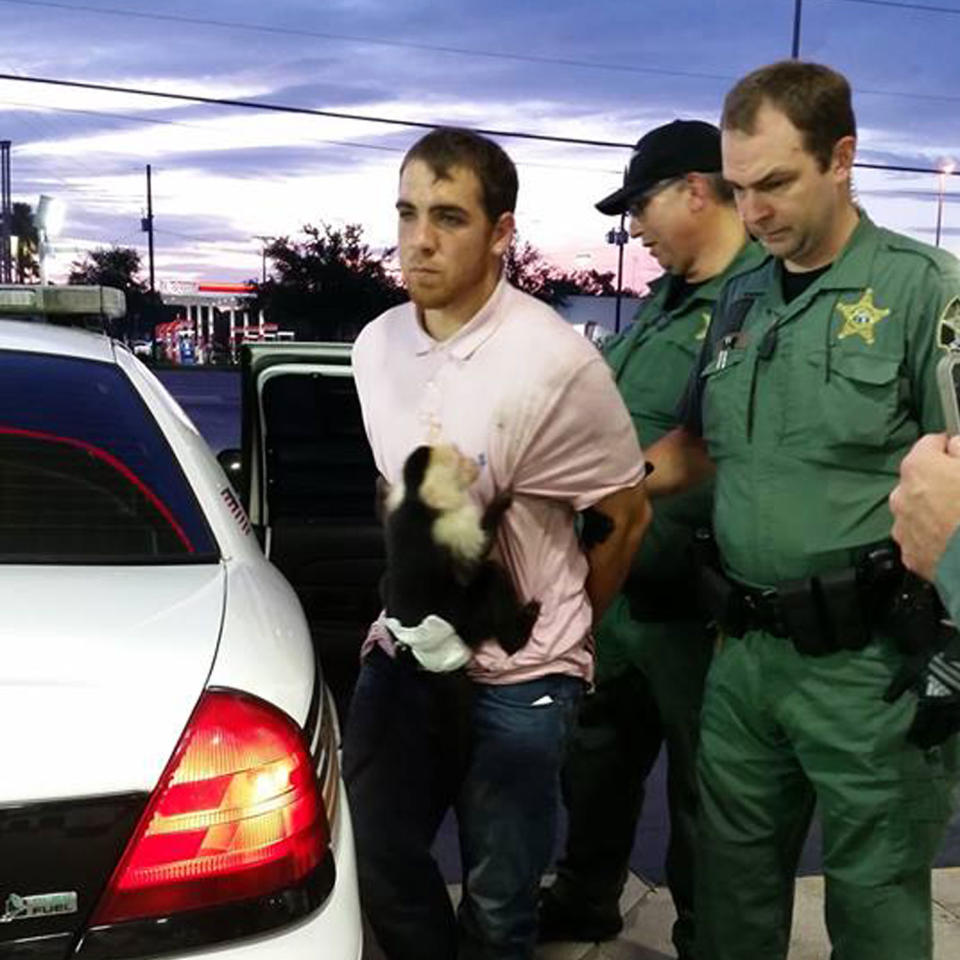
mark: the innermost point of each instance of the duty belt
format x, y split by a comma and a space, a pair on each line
838, 610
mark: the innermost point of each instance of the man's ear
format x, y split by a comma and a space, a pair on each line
503, 231
697, 191
841, 161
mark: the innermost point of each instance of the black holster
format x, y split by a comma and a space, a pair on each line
718, 596
914, 616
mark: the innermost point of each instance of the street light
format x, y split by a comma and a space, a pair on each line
946, 169
48, 218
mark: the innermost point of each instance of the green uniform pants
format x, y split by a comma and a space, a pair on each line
649, 689
780, 733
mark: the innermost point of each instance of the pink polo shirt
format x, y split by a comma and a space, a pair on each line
519, 390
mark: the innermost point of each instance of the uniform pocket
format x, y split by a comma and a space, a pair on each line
855, 400
653, 384
725, 384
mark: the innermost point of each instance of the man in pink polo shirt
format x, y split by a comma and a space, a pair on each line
474, 362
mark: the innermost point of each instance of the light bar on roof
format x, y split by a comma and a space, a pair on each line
63, 301
18, 300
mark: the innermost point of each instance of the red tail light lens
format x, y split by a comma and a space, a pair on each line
237, 814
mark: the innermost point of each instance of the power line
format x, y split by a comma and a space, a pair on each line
471, 52
194, 125
898, 168
390, 121
377, 41
129, 117
188, 236
307, 111
898, 4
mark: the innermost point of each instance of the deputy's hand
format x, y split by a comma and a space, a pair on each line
926, 502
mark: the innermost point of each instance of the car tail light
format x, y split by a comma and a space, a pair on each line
237, 814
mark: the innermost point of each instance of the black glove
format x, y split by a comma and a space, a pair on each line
936, 681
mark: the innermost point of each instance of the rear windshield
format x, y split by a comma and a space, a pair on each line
86, 476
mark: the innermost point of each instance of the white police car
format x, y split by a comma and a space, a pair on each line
170, 778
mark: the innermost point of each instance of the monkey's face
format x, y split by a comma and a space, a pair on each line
448, 476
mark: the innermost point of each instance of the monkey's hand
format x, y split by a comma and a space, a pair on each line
596, 527
529, 614
494, 512
522, 622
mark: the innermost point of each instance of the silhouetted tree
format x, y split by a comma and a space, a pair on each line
119, 267
328, 284
109, 267
23, 227
528, 269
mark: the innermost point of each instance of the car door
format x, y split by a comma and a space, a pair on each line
309, 485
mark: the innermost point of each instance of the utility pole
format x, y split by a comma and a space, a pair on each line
265, 241
620, 238
795, 49
6, 214
146, 225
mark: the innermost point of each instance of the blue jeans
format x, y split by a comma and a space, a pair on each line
417, 743
507, 811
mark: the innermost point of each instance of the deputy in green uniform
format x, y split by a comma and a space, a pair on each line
817, 376
653, 649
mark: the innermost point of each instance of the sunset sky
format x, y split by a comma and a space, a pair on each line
605, 70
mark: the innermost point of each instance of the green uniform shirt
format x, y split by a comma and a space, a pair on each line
948, 577
651, 363
808, 407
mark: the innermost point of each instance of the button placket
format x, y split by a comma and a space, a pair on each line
431, 406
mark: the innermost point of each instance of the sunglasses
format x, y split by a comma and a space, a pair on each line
637, 206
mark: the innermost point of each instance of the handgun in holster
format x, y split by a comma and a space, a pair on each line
914, 617
716, 594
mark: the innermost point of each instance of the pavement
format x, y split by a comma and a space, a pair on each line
649, 915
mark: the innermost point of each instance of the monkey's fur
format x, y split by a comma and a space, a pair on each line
438, 545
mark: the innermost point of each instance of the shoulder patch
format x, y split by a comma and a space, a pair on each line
948, 327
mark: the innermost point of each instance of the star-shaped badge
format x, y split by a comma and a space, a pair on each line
861, 317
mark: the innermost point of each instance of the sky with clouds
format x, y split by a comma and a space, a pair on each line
606, 70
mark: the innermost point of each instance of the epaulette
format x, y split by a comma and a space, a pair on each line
942, 260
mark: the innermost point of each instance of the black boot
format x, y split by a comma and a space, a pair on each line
564, 921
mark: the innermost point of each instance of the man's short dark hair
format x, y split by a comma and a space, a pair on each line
814, 98
720, 188
448, 147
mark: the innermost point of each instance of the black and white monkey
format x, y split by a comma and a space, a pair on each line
438, 553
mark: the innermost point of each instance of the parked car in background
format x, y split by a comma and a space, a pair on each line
171, 779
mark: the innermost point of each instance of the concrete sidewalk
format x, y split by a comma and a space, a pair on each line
649, 917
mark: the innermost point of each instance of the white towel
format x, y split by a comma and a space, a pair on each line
436, 645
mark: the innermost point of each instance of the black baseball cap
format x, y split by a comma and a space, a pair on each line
675, 149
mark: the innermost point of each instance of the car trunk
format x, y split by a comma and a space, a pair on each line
103, 666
